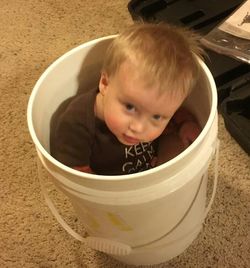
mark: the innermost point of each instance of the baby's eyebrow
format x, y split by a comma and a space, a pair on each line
165, 117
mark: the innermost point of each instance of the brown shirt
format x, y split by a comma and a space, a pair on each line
78, 138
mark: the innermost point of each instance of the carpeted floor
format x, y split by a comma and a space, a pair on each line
33, 34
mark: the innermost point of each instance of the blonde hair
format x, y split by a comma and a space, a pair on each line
166, 55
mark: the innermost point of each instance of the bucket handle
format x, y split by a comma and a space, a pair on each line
98, 243
216, 153
110, 246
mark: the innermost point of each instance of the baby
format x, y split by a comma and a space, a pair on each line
121, 126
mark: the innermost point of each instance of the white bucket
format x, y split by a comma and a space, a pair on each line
143, 218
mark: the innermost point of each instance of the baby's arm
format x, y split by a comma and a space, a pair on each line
85, 169
179, 134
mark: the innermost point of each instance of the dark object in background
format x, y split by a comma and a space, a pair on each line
236, 112
196, 14
230, 75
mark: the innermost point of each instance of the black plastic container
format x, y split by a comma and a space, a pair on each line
232, 77
236, 112
200, 15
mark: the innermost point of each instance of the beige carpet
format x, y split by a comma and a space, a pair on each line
33, 33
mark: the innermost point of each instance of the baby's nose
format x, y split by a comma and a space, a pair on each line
137, 126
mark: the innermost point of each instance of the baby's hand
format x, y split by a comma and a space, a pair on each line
189, 129
85, 169
188, 132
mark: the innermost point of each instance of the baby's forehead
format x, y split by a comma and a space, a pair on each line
132, 68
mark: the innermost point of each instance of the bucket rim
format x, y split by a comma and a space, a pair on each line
45, 153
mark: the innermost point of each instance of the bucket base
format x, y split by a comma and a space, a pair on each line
160, 253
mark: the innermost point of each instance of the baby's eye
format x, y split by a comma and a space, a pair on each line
129, 107
157, 117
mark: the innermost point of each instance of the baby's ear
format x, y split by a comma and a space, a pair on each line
103, 83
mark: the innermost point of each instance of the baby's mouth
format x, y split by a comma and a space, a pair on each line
130, 140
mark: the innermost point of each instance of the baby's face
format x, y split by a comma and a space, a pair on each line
132, 111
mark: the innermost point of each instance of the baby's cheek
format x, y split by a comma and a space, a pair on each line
114, 122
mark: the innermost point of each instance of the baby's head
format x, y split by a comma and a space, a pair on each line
148, 71
165, 55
